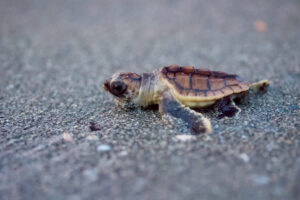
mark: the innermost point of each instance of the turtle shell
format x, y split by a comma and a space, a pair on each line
202, 84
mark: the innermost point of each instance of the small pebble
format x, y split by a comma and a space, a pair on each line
244, 157
123, 153
67, 137
185, 138
11, 86
92, 137
103, 148
91, 174
259, 179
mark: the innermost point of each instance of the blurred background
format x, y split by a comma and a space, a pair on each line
54, 56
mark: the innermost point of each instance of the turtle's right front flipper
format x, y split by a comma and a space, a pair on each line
196, 121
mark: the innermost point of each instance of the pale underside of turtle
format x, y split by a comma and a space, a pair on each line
177, 89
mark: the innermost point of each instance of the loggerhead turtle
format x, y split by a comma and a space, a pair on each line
176, 89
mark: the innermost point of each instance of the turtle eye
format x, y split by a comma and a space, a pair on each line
118, 87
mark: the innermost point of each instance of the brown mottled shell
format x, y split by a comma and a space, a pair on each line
202, 84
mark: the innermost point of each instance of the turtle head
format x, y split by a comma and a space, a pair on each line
124, 87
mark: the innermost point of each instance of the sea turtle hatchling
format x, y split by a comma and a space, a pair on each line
177, 89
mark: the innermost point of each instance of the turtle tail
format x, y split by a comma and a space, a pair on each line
260, 85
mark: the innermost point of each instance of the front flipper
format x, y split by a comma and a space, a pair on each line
196, 121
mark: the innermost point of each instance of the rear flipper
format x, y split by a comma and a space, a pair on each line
196, 121
227, 108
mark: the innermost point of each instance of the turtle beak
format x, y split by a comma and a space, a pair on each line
106, 85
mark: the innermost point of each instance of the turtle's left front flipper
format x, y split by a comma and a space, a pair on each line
196, 121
